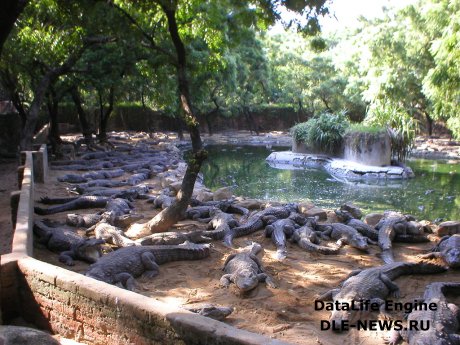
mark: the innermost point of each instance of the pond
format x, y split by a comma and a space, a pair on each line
434, 193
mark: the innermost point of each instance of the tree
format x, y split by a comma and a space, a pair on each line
11, 10
186, 11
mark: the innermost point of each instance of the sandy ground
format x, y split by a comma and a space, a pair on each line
285, 313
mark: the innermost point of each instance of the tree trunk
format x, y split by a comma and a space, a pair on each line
171, 215
11, 9
48, 79
84, 126
105, 115
429, 124
53, 135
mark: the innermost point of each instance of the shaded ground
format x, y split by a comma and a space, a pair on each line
8, 184
285, 313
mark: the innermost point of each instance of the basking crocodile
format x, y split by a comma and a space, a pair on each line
372, 284
212, 311
67, 204
363, 228
92, 175
448, 249
82, 220
110, 234
173, 237
395, 226
85, 187
344, 234
83, 167
444, 322
202, 212
306, 238
117, 206
224, 205
70, 245
257, 222
221, 222
127, 263
278, 231
245, 270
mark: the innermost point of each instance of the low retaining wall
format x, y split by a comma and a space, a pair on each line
336, 167
75, 306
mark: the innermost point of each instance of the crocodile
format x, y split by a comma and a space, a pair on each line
125, 264
84, 187
221, 222
212, 311
92, 175
68, 244
109, 233
82, 220
245, 270
173, 237
444, 322
373, 284
163, 201
82, 167
116, 206
257, 222
225, 205
392, 226
137, 178
306, 238
344, 234
278, 231
363, 228
448, 249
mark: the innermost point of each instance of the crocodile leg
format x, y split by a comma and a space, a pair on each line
126, 280
394, 289
430, 255
151, 267
67, 258
263, 277
225, 280
329, 295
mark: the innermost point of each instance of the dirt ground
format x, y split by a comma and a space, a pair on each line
286, 313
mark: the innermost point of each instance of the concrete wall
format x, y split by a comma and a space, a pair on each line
90, 311
368, 148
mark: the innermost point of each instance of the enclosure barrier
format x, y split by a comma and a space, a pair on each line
81, 308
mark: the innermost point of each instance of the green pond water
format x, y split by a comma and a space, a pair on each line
433, 193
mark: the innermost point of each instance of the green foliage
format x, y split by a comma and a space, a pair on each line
324, 132
362, 128
401, 127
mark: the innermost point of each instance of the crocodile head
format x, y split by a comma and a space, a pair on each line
452, 257
246, 280
359, 242
90, 250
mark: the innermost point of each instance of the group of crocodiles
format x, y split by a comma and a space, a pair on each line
110, 190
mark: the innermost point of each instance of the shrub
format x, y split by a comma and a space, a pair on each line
401, 127
324, 132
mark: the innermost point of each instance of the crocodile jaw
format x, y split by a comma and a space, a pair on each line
246, 281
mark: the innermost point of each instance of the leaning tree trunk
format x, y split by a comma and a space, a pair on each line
171, 215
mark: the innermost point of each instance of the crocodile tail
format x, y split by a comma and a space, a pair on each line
405, 268
307, 245
387, 256
185, 251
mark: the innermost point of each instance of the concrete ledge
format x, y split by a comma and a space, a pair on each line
40, 159
339, 168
